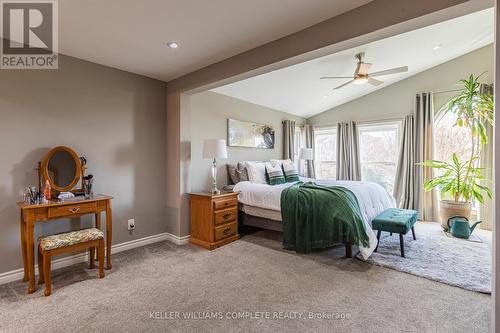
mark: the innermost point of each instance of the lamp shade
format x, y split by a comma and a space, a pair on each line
214, 148
306, 154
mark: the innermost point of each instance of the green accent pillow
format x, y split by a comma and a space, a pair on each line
275, 174
291, 174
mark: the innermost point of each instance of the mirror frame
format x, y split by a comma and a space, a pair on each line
45, 168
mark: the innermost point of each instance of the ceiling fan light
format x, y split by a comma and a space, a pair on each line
360, 80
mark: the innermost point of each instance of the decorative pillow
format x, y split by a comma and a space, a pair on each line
279, 162
242, 172
291, 174
256, 172
232, 173
275, 174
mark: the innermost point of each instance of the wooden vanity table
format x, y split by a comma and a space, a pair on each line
63, 169
31, 214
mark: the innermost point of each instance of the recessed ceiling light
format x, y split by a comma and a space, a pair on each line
173, 45
437, 47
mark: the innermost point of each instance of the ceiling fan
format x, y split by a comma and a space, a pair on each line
361, 75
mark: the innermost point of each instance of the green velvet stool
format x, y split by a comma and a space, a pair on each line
398, 221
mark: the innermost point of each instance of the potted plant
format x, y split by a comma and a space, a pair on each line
460, 182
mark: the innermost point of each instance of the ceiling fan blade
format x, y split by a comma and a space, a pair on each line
391, 71
374, 82
363, 68
335, 77
342, 85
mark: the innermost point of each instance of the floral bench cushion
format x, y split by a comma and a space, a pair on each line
70, 238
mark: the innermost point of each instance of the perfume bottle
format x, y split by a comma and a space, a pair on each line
47, 190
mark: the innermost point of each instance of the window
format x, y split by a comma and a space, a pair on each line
297, 144
451, 139
379, 150
325, 147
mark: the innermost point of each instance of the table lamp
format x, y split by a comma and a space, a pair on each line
306, 154
214, 149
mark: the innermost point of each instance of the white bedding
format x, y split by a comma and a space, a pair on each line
373, 199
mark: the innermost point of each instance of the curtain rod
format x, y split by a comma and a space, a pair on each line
373, 121
446, 91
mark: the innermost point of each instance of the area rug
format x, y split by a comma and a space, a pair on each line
437, 257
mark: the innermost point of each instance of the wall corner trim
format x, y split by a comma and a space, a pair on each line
17, 274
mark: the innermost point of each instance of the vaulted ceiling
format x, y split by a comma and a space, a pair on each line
298, 90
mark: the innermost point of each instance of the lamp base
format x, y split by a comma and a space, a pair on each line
214, 191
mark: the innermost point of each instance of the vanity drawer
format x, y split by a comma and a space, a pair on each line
225, 203
69, 210
225, 231
225, 216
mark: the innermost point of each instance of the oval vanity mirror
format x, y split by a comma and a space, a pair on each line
62, 168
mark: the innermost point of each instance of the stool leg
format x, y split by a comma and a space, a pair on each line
40, 266
402, 245
378, 240
46, 272
91, 257
413, 233
100, 250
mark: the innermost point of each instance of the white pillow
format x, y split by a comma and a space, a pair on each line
279, 162
256, 172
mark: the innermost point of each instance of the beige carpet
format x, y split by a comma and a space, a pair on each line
247, 276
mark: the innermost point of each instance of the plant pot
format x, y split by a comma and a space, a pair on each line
449, 208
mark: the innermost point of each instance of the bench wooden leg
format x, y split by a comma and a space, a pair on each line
378, 240
390, 234
91, 257
402, 245
40, 267
348, 250
413, 233
100, 250
46, 272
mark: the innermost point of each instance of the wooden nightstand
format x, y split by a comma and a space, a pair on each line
214, 219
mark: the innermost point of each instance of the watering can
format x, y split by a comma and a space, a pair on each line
459, 226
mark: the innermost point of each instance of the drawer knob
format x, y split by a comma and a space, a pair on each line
74, 210
226, 216
226, 231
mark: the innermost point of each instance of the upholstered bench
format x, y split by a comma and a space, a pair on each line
48, 246
398, 221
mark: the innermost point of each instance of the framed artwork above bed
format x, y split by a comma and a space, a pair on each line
248, 134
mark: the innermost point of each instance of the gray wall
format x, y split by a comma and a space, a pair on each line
114, 118
397, 100
209, 114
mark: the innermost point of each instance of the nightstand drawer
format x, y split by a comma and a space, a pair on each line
225, 216
225, 231
69, 210
225, 203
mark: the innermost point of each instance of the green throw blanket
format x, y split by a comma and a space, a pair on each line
317, 217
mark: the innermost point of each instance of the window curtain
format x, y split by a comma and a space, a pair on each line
309, 134
405, 184
348, 165
289, 139
427, 203
486, 210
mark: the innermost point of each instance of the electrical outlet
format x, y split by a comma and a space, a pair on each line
131, 224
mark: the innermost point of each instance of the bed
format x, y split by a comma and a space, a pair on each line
260, 205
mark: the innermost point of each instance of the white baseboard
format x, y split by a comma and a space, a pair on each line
17, 274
